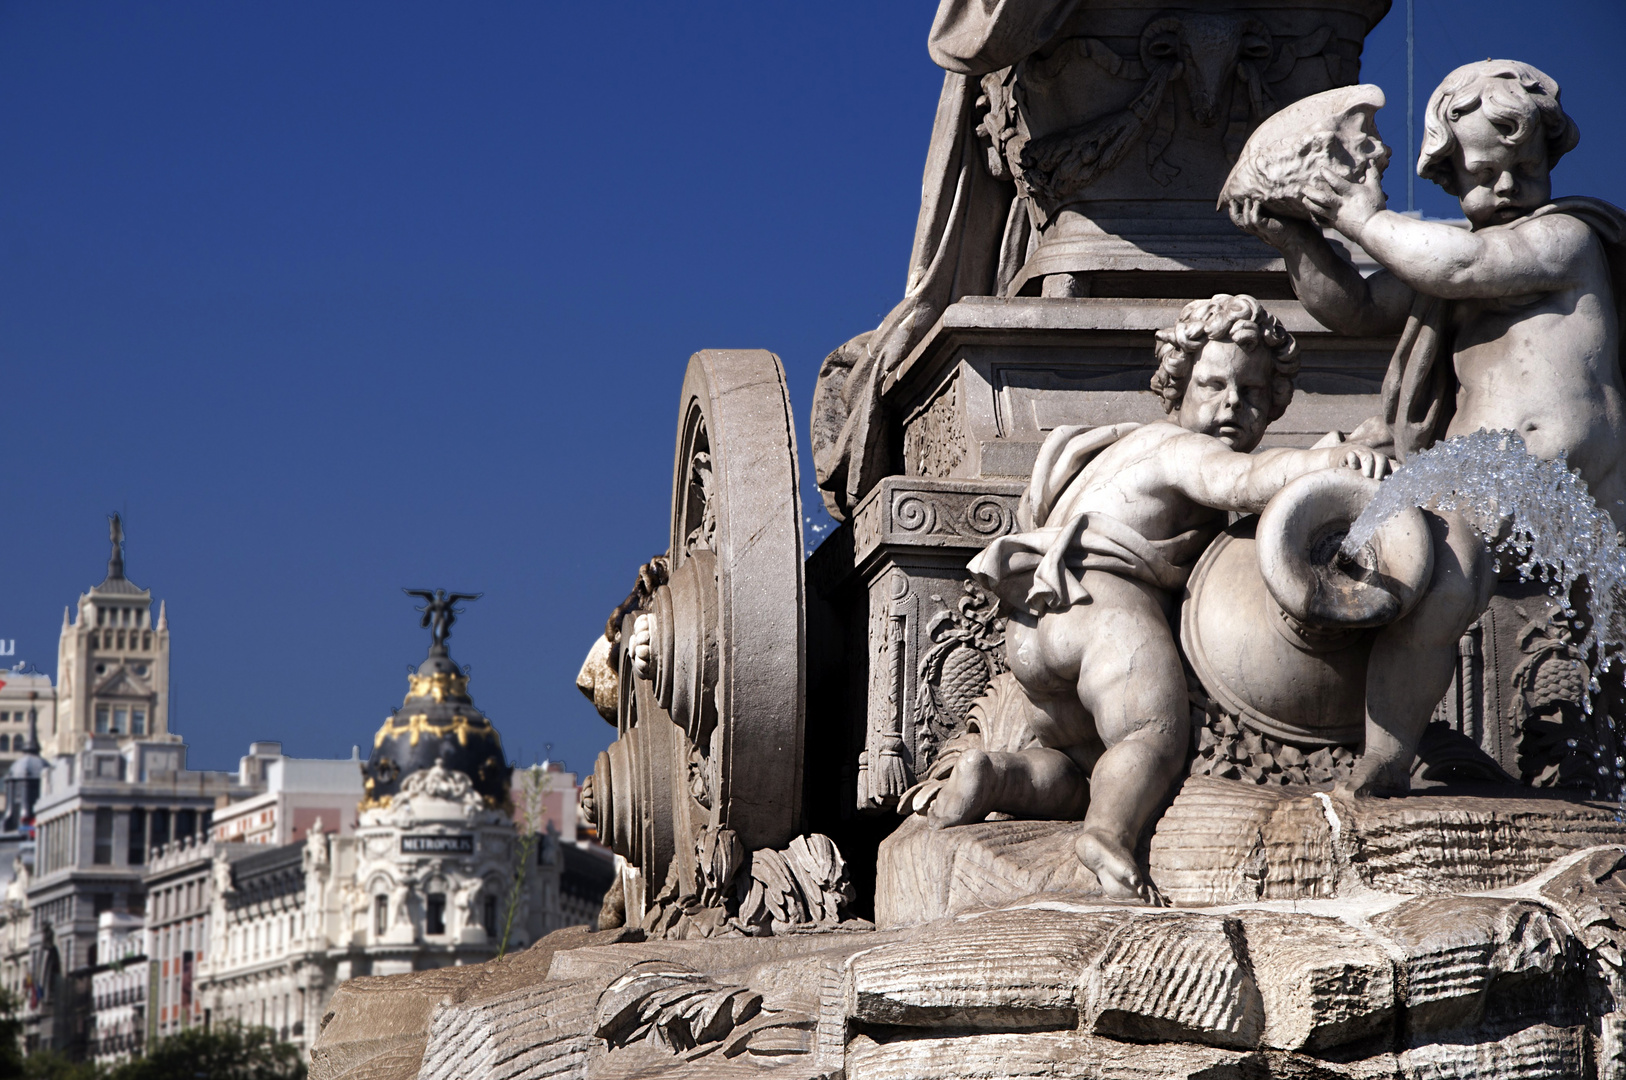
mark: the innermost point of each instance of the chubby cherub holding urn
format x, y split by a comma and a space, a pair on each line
1113, 520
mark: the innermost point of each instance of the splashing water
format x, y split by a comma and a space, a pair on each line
1551, 529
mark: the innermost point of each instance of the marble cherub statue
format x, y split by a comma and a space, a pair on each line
1512, 323
1113, 520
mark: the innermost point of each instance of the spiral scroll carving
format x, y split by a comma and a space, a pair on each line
912, 513
989, 516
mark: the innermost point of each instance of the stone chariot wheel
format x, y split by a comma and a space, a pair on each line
713, 665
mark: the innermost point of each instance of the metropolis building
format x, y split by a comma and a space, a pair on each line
424, 881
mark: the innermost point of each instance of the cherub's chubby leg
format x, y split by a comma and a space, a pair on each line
1045, 781
1034, 783
1413, 658
1131, 680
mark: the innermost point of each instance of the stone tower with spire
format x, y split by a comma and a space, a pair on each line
112, 663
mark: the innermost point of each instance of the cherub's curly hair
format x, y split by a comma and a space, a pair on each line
1239, 319
1514, 95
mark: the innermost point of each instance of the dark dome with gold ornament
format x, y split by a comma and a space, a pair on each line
437, 722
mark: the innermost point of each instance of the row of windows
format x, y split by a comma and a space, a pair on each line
112, 616
16, 717
115, 639
147, 830
434, 915
176, 900
121, 720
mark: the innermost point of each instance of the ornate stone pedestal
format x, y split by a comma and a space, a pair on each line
972, 404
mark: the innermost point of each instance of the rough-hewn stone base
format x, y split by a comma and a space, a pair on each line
1223, 841
1512, 980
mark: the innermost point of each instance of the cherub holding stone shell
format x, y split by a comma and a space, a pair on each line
1512, 323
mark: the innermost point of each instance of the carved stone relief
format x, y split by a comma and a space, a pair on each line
934, 440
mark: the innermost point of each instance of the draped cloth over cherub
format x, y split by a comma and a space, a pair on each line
1420, 387
1041, 568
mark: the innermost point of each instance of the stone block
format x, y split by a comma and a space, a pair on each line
1176, 978
1043, 1056
1538, 1052
1323, 983
924, 874
1004, 971
1461, 955
1459, 843
1225, 842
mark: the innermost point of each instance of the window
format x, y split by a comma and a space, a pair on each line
186, 823
101, 616
5, 742
138, 721
121, 720
381, 914
103, 854
102, 713
434, 920
491, 916
121, 639
146, 639
160, 827
137, 854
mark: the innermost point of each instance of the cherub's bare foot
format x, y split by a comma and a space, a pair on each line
1370, 778
968, 793
1114, 867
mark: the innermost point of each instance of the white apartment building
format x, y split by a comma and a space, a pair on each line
298, 793
118, 987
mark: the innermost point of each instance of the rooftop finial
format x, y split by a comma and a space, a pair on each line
33, 746
115, 561
440, 611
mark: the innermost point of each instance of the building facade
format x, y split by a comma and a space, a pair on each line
26, 697
298, 793
100, 812
118, 988
421, 879
112, 664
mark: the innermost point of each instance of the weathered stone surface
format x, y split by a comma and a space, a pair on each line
1226, 841
925, 874
1462, 955
1223, 842
1004, 971
1591, 893
1179, 978
377, 1028
1061, 1055
1538, 1052
1323, 982
1458, 843
545, 1030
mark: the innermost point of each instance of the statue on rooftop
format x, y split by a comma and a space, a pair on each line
440, 610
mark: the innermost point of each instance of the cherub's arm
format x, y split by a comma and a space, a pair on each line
1441, 260
1330, 288
1209, 473
1453, 263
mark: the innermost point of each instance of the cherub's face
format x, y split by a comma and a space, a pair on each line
1496, 182
1228, 396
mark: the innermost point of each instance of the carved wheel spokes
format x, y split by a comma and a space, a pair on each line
711, 734
736, 505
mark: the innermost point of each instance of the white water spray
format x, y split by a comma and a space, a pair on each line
1542, 521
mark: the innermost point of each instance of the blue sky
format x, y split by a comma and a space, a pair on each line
331, 299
